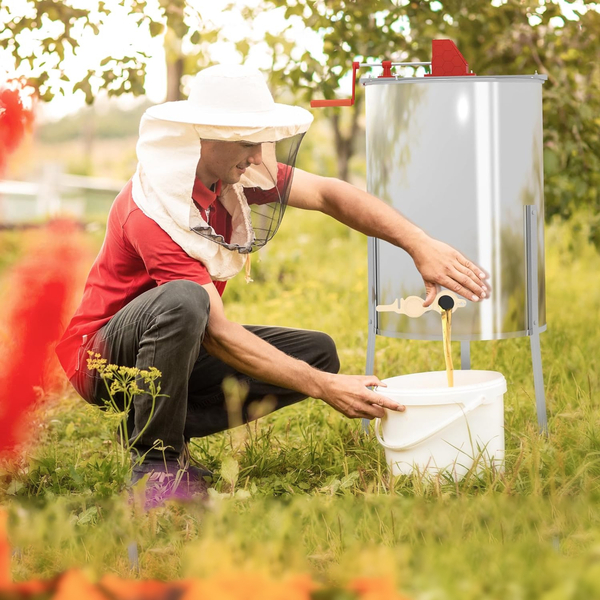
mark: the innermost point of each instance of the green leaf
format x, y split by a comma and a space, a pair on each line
156, 28
551, 162
88, 516
243, 47
230, 470
70, 430
214, 495
349, 480
14, 487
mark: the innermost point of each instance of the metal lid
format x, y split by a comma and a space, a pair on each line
374, 80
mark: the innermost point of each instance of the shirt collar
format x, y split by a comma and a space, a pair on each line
203, 196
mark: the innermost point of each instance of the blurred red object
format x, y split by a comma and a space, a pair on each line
39, 288
16, 116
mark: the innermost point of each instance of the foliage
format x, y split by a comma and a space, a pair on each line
114, 123
513, 37
43, 36
497, 38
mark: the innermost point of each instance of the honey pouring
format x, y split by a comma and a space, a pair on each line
447, 304
444, 303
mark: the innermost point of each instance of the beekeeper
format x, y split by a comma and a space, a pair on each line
214, 177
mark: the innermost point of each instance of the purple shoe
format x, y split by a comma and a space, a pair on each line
168, 481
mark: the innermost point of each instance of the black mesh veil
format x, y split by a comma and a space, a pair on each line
266, 188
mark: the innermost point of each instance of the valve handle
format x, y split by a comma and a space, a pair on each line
412, 306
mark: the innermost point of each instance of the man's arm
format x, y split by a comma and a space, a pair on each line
246, 352
438, 263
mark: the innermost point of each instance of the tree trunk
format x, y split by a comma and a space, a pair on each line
345, 141
175, 63
174, 74
89, 134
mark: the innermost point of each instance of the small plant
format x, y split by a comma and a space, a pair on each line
126, 381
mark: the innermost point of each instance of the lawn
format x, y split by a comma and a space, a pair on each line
306, 491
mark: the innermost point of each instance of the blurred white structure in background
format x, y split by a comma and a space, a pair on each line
55, 194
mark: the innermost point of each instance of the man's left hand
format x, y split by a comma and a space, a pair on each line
440, 264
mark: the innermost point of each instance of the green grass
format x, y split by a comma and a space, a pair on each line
313, 493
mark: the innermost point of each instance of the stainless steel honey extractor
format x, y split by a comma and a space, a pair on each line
462, 158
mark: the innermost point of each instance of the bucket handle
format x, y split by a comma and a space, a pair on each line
451, 420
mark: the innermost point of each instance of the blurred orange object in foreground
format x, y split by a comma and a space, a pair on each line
74, 585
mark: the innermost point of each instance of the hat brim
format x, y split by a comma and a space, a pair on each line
279, 122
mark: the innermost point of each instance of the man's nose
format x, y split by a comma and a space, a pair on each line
255, 157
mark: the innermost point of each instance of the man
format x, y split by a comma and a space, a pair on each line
209, 188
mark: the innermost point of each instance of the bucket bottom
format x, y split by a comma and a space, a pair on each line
463, 463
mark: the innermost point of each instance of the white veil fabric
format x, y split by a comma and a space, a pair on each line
170, 146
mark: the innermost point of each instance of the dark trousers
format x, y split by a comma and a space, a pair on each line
164, 328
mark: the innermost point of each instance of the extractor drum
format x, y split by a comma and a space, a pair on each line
460, 157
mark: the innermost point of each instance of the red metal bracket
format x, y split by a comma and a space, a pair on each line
447, 61
387, 69
339, 101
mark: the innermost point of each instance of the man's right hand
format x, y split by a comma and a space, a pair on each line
350, 395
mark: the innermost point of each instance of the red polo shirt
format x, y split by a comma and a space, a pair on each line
136, 256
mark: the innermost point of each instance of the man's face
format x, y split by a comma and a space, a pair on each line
226, 161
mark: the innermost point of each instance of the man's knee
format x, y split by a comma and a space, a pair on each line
326, 356
189, 301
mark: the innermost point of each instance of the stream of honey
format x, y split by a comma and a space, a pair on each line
446, 333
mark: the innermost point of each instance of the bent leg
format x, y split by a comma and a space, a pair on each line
207, 412
161, 328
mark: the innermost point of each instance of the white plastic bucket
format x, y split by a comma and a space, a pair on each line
444, 429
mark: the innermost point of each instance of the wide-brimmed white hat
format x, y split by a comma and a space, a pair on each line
233, 103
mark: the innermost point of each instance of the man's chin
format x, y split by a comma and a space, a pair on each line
232, 178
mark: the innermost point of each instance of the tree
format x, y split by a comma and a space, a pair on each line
187, 42
522, 37
42, 36
351, 30
515, 37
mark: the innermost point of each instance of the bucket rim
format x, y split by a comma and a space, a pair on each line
498, 381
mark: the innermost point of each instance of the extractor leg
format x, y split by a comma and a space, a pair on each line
370, 364
538, 381
465, 356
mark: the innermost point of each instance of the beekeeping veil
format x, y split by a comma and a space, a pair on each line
226, 103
